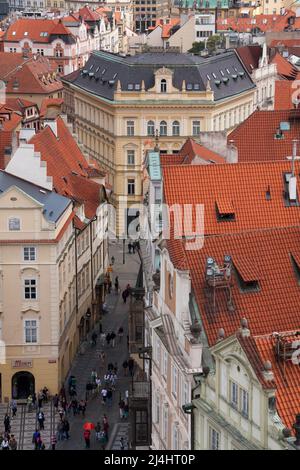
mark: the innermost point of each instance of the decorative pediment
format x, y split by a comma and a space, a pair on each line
30, 309
163, 72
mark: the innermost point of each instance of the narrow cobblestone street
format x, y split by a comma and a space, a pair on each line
85, 363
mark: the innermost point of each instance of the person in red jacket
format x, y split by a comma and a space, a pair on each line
87, 438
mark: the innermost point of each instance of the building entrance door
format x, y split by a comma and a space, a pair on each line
22, 384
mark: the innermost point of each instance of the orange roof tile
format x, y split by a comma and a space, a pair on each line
33, 28
265, 123
284, 90
244, 185
284, 67
246, 268
250, 56
50, 102
287, 383
224, 206
264, 23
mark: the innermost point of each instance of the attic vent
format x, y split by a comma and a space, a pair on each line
91, 66
115, 76
111, 83
91, 74
246, 275
84, 72
225, 211
97, 69
242, 74
103, 71
234, 76
214, 75
279, 135
218, 82
225, 80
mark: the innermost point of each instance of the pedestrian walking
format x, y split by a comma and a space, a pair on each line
133, 247
109, 396
94, 338
126, 411
122, 443
61, 413
56, 402
93, 376
131, 366
109, 286
129, 247
13, 445
5, 444
120, 333
6, 423
117, 284
104, 395
103, 440
105, 427
125, 367
108, 339
82, 407
121, 408
36, 439
113, 338
60, 431
34, 400
40, 399
102, 339
102, 357
41, 419
87, 438
53, 441
66, 428
29, 404
98, 431
98, 384
125, 294
13, 407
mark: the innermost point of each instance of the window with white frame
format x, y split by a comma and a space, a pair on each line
163, 128
130, 157
176, 128
214, 439
244, 397
131, 187
185, 391
234, 394
157, 351
30, 331
29, 253
130, 128
163, 86
165, 423
30, 289
175, 438
174, 380
14, 223
157, 407
165, 364
150, 128
196, 128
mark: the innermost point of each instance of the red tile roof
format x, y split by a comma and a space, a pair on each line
19, 104
34, 27
286, 378
49, 103
284, 68
250, 56
265, 254
265, 123
188, 152
284, 94
265, 23
67, 166
11, 123
242, 186
32, 76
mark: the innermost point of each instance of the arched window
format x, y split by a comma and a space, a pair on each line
150, 128
176, 128
163, 128
163, 86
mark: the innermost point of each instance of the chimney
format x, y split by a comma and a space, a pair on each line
267, 372
221, 335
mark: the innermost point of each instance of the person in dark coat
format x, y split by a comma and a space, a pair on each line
7, 423
108, 338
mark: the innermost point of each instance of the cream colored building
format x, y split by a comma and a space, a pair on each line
52, 263
119, 104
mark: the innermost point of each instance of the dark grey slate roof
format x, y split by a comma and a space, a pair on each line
102, 71
54, 204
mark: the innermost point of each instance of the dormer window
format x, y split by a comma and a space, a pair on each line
225, 211
246, 275
163, 86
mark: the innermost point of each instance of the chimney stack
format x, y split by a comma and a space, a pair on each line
267, 372
244, 330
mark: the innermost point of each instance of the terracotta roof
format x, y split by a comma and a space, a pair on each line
287, 379
284, 93
49, 103
265, 123
284, 68
11, 123
192, 149
274, 306
171, 159
87, 14
285, 42
19, 104
67, 166
32, 29
265, 23
28, 76
243, 187
166, 28
250, 56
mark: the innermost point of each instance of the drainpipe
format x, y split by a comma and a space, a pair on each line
92, 269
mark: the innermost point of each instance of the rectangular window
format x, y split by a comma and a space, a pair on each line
157, 356
185, 392
131, 187
130, 157
196, 128
14, 223
30, 331
141, 426
165, 364
30, 289
165, 423
157, 407
174, 380
244, 403
29, 253
234, 394
130, 128
214, 439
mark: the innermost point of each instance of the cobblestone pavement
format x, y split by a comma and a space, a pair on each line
85, 363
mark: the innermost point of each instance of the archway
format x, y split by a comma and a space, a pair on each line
22, 385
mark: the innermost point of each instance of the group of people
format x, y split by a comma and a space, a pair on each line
133, 246
8, 440
36, 401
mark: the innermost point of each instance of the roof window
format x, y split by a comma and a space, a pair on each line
196, 86
295, 259
14, 33
189, 86
214, 75
130, 86
137, 86
208, 77
246, 275
225, 211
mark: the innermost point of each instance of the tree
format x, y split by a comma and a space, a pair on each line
197, 47
213, 42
